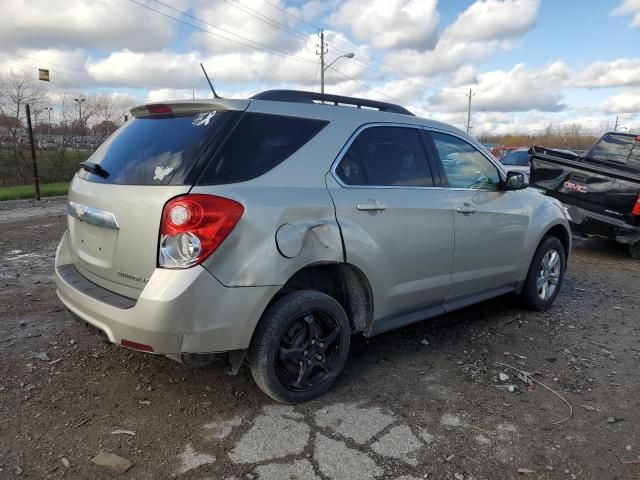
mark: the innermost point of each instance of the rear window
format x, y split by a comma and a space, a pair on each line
516, 158
161, 150
257, 144
620, 149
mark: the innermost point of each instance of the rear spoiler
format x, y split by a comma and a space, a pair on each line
189, 106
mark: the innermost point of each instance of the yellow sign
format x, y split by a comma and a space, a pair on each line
43, 74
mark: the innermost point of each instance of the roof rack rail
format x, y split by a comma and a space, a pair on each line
299, 96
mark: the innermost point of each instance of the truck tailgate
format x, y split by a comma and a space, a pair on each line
595, 188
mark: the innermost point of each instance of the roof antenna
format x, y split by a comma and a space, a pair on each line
215, 95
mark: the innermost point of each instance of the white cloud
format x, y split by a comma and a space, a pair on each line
480, 31
488, 20
168, 69
245, 22
463, 76
449, 55
617, 73
629, 7
149, 69
625, 102
516, 90
389, 23
81, 23
66, 67
311, 10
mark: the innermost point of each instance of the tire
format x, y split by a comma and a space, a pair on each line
300, 346
539, 276
634, 251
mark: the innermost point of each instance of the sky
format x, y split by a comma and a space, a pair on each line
528, 63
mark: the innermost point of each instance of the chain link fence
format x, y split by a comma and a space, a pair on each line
56, 159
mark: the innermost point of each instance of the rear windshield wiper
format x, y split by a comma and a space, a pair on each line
94, 168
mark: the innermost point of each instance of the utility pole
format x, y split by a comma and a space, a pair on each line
323, 51
470, 94
615, 129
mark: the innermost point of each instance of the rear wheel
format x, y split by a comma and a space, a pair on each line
300, 346
545, 274
634, 250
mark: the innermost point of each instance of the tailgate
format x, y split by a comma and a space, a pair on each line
113, 232
589, 187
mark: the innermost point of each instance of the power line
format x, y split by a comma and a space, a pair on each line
383, 69
262, 47
395, 100
89, 74
268, 20
291, 14
388, 70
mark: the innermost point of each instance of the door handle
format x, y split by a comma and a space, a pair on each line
466, 209
371, 206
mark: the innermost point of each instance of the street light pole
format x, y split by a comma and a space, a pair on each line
48, 109
327, 67
79, 101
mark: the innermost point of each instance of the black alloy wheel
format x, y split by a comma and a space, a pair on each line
300, 346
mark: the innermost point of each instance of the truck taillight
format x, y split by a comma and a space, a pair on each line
193, 226
636, 207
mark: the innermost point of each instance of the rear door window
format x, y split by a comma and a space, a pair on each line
257, 144
386, 156
160, 150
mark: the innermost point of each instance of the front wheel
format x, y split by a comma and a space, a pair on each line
545, 274
300, 346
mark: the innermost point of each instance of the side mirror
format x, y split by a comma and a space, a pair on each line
515, 181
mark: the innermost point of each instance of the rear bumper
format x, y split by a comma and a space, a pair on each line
179, 311
592, 223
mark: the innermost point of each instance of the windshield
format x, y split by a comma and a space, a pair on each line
519, 158
160, 150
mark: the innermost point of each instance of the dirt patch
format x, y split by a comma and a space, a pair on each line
445, 411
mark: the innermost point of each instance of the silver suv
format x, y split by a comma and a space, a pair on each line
274, 228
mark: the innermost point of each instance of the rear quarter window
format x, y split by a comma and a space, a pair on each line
257, 144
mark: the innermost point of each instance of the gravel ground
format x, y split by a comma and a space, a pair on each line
420, 402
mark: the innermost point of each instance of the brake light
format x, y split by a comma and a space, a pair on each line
636, 207
193, 226
159, 109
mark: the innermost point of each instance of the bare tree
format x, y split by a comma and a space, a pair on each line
16, 90
110, 112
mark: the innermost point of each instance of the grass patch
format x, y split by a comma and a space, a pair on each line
15, 192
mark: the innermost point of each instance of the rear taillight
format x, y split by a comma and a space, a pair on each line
636, 207
193, 226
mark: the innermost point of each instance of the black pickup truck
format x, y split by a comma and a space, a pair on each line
600, 189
